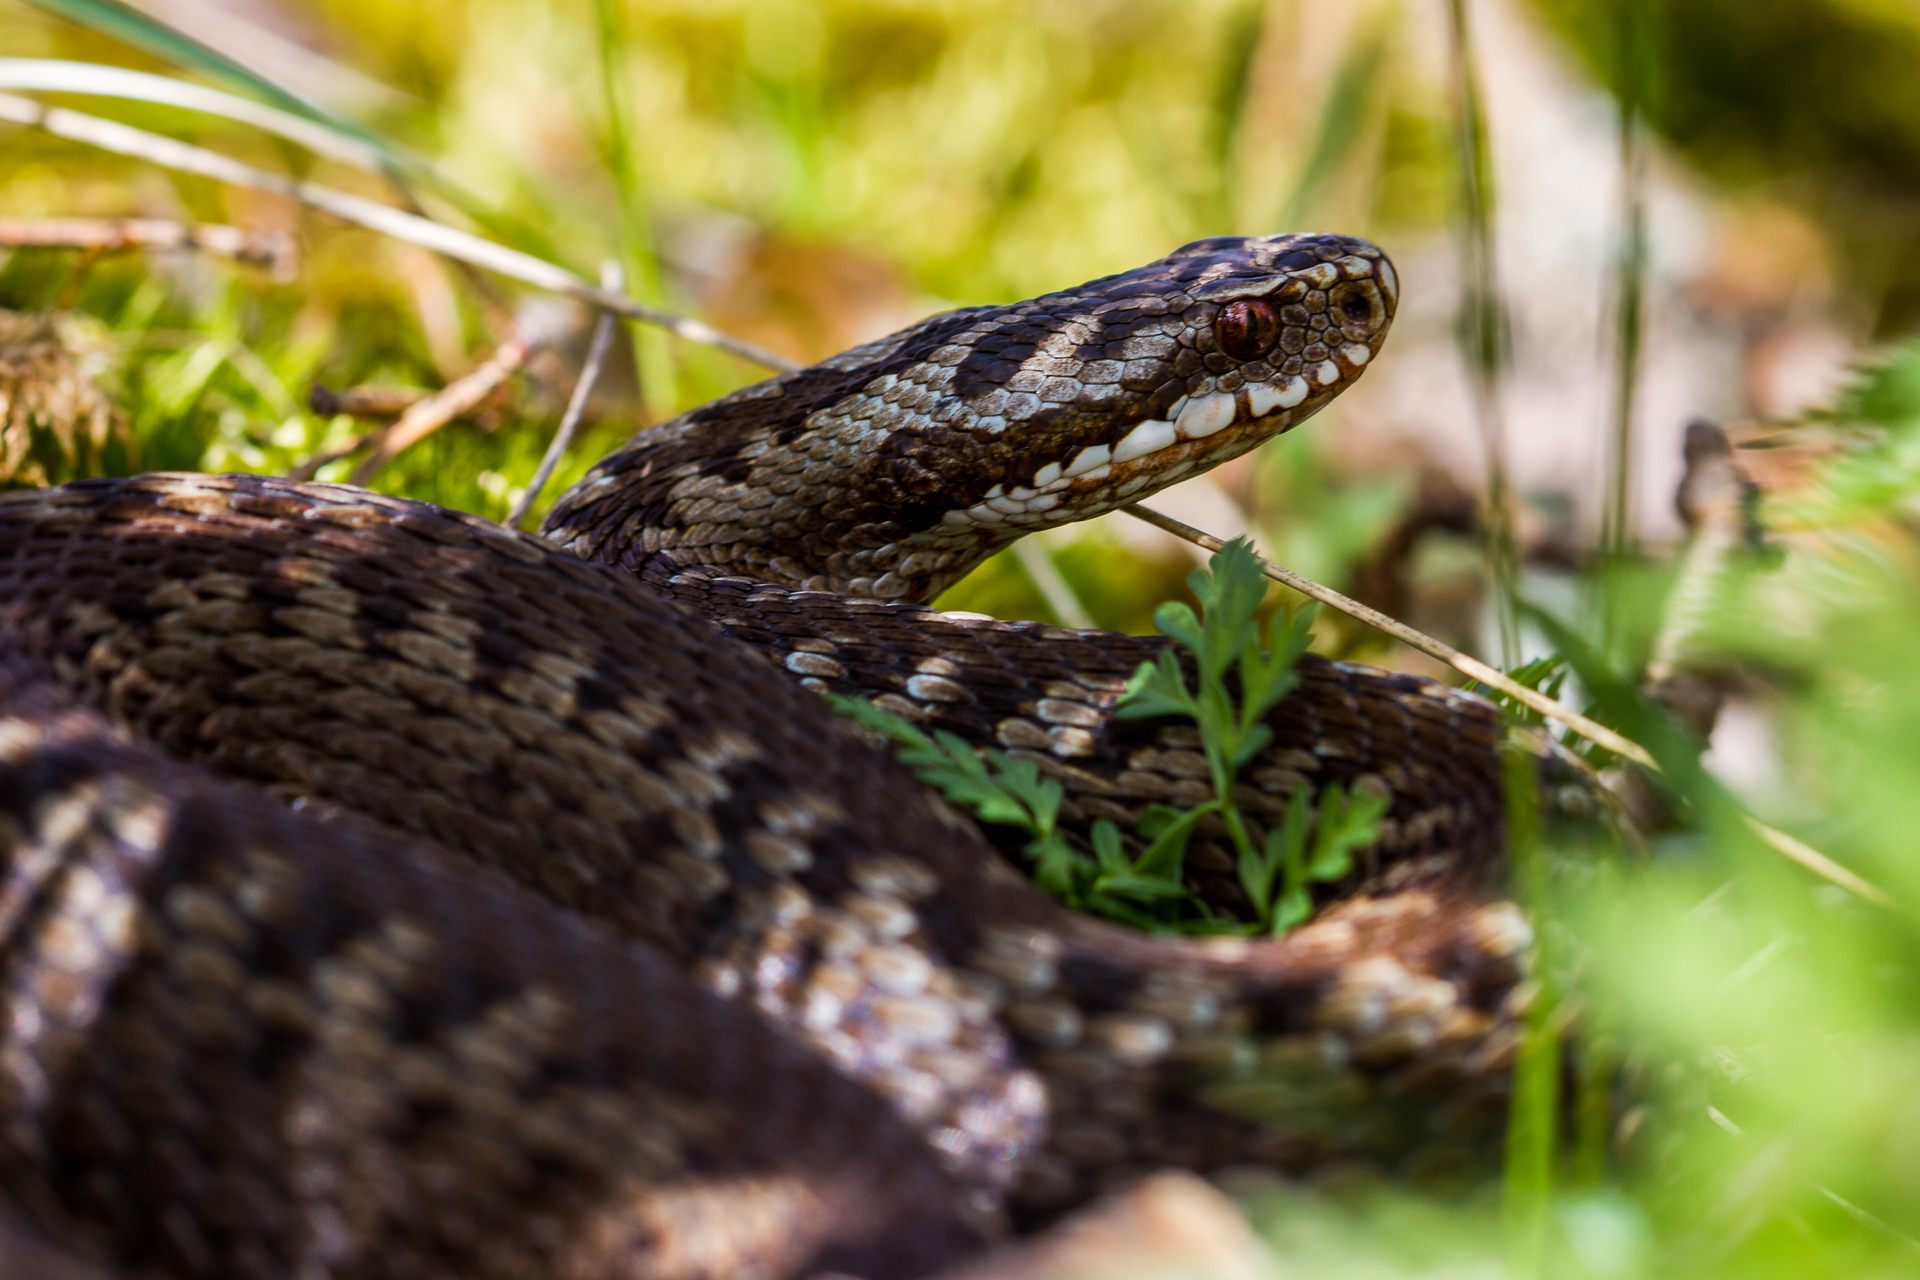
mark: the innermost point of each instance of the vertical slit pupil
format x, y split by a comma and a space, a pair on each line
1247, 328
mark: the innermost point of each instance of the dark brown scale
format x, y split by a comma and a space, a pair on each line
1434, 750
277, 1040
480, 761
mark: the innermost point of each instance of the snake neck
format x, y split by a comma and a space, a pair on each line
893, 469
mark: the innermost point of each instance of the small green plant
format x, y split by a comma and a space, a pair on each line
1344, 824
1225, 640
1004, 791
1239, 674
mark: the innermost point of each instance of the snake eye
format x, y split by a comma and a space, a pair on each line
1246, 329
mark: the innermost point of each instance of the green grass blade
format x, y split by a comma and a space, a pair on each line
1484, 335
1533, 1115
178, 49
1632, 21
652, 354
1240, 41
1343, 117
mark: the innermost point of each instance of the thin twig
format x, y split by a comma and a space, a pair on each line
427, 416
1779, 841
271, 249
381, 403
611, 279
1425, 643
109, 135
1819, 863
373, 403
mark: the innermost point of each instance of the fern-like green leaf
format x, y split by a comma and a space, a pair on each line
1149, 890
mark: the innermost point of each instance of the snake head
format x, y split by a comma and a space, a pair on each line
1165, 371
892, 469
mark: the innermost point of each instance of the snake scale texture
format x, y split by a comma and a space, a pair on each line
384, 893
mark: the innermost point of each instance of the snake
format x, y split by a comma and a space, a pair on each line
388, 893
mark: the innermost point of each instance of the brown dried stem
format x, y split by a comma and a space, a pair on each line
1779, 841
110, 135
1470, 667
273, 250
611, 278
377, 403
424, 417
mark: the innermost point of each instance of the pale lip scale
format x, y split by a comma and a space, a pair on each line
1190, 418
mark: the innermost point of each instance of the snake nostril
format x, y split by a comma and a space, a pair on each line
1358, 308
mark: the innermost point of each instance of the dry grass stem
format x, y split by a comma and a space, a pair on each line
375, 403
612, 278
1820, 864
108, 135
1051, 583
1624, 747
1471, 667
274, 250
463, 395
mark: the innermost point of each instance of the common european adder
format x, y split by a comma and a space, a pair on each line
389, 894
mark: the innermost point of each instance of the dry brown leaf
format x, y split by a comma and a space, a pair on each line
49, 389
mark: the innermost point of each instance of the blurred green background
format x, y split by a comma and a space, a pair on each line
1610, 216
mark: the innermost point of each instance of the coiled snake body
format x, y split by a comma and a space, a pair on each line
728, 994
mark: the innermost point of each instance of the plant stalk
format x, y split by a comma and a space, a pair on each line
652, 354
1483, 324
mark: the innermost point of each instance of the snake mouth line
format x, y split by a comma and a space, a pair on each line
1197, 432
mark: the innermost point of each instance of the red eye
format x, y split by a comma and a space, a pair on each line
1246, 329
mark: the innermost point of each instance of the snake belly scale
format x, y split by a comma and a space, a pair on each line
584, 942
